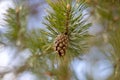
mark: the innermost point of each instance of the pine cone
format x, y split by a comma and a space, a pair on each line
60, 44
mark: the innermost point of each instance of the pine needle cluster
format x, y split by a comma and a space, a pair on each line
63, 21
16, 21
65, 17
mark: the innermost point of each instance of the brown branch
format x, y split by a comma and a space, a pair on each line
20, 33
18, 17
67, 18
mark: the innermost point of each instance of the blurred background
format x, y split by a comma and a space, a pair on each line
98, 63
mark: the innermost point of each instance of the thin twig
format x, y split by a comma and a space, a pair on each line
67, 17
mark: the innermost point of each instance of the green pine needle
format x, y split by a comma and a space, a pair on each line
78, 29
16, 23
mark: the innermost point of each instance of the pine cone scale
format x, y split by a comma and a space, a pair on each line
60, 44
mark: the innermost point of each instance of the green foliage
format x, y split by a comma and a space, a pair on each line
40, 42
114, 40
16, 23
77, 27
114, 37
12, 22
44, 59
108, 12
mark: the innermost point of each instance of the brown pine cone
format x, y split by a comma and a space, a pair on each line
60, 44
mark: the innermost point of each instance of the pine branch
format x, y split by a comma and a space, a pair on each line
64, 19
114, 37
68, 19
16, 24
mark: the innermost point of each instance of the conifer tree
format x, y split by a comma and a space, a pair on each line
58, 44
65, 37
